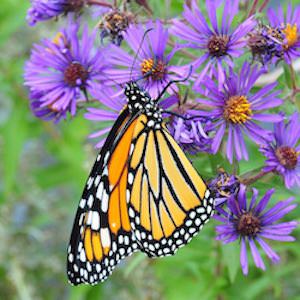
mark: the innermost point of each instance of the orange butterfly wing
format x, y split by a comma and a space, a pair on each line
101, 234
169, 202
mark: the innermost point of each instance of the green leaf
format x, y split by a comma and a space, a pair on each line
80, 292
230, 256
14, 135
287, 75
55, 175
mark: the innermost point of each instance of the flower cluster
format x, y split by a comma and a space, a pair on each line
216, 105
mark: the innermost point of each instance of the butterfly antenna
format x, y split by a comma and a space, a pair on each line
172, 113
174, 81
138, 51
85, 94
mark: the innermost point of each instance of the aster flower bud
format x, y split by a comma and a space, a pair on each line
223, 186
114, 23
265, 43
191, 131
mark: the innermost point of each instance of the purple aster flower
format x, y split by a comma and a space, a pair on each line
192, 134
114, 101
223, 187
220, 42
235, 109
42, 10
148, 57
252, 224
289, 25
283, 151
63, 70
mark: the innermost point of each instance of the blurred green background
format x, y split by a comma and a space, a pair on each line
43, 169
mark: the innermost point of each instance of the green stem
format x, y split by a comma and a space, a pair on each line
264, 5
293, 77
236, 167
253, 8
250, 180
189, 3
295, 89
100, 3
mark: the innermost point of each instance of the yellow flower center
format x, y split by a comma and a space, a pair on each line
291, 34
237, 110
156, 70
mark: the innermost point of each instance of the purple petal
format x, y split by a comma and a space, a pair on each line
253, 199
264, 201
229, 148
268, 250
218, 138
100, 133
242, 197
280, 238
243, 256
256, 256
267, 118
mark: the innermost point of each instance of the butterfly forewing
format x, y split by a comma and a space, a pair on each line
101, 234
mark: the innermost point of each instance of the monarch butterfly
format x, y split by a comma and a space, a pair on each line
142, 194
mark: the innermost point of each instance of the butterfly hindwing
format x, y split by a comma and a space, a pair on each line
169, 202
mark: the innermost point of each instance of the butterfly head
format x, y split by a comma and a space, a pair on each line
137, 98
